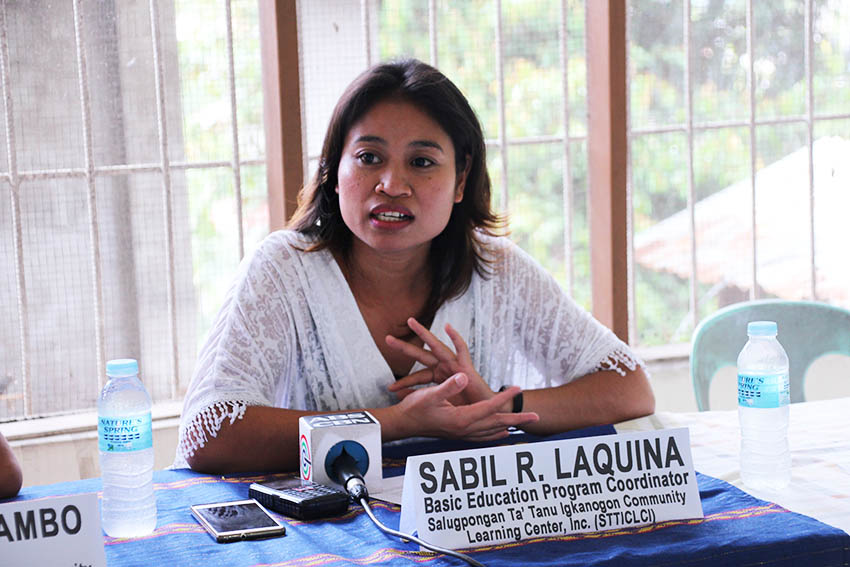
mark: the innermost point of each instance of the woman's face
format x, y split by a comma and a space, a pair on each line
397, 178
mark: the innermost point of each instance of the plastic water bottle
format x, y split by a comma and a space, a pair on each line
763, 397
125, 443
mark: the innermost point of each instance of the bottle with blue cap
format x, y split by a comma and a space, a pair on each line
125, 444
763, 398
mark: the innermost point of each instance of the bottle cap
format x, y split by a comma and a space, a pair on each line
122, 367
761, 328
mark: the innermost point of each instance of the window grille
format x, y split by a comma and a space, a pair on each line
103, 166
681, 244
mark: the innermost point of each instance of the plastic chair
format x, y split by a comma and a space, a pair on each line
807, 330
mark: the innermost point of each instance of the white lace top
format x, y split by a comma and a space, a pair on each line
290, 335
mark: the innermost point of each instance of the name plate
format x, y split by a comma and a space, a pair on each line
60, 532
497, 495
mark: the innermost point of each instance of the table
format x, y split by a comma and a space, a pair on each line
819, 438
738, 529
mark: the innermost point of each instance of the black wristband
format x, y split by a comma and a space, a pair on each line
517, 407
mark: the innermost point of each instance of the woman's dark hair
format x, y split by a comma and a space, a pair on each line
456, 251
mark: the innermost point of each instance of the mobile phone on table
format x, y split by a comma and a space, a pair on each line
305, 501
237, 520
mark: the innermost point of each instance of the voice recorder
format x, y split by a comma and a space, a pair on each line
303, 501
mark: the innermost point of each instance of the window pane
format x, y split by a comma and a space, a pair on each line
47, 119
783, 259
401, 29
215, 251
723, 218
831, 57
532, 68
662, 246
249, 80
656, 63
201, 35
467, 55
582, 291
719, 61
11, 383
255, 205
779, 65
494, 166
832, 201
722, 168
133, 245
577, 71
132, 248
333, 53
58, 272
537, 214
121, 83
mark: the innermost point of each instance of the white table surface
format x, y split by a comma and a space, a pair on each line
819, 438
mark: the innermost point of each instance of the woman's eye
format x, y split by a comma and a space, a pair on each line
368, 158
422, 162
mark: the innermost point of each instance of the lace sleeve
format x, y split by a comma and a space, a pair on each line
248, 348
555, 335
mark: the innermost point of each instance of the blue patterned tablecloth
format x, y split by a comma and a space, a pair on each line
737, 530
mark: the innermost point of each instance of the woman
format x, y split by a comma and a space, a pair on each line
393, 255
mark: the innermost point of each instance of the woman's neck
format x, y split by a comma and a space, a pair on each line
375, 276
388, 289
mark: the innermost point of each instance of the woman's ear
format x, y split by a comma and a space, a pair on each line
461, 180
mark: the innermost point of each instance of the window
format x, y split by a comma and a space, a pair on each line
134, 181
136, 178
739, 138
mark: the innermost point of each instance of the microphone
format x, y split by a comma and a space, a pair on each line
346, 463
342, 448
345, 448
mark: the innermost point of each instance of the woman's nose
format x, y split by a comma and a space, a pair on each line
394, 184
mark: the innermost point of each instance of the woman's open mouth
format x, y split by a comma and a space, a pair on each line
391, 216
385, 216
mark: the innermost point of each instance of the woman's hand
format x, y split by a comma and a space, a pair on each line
429, 412
441, 364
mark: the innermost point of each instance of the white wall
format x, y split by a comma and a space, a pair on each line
59, 449
828, 377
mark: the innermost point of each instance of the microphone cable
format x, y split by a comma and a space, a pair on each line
414, 539
344, 470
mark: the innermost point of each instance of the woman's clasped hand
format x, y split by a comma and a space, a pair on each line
432, 412
441, 363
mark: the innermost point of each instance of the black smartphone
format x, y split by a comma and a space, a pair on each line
237, 520
307, 501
